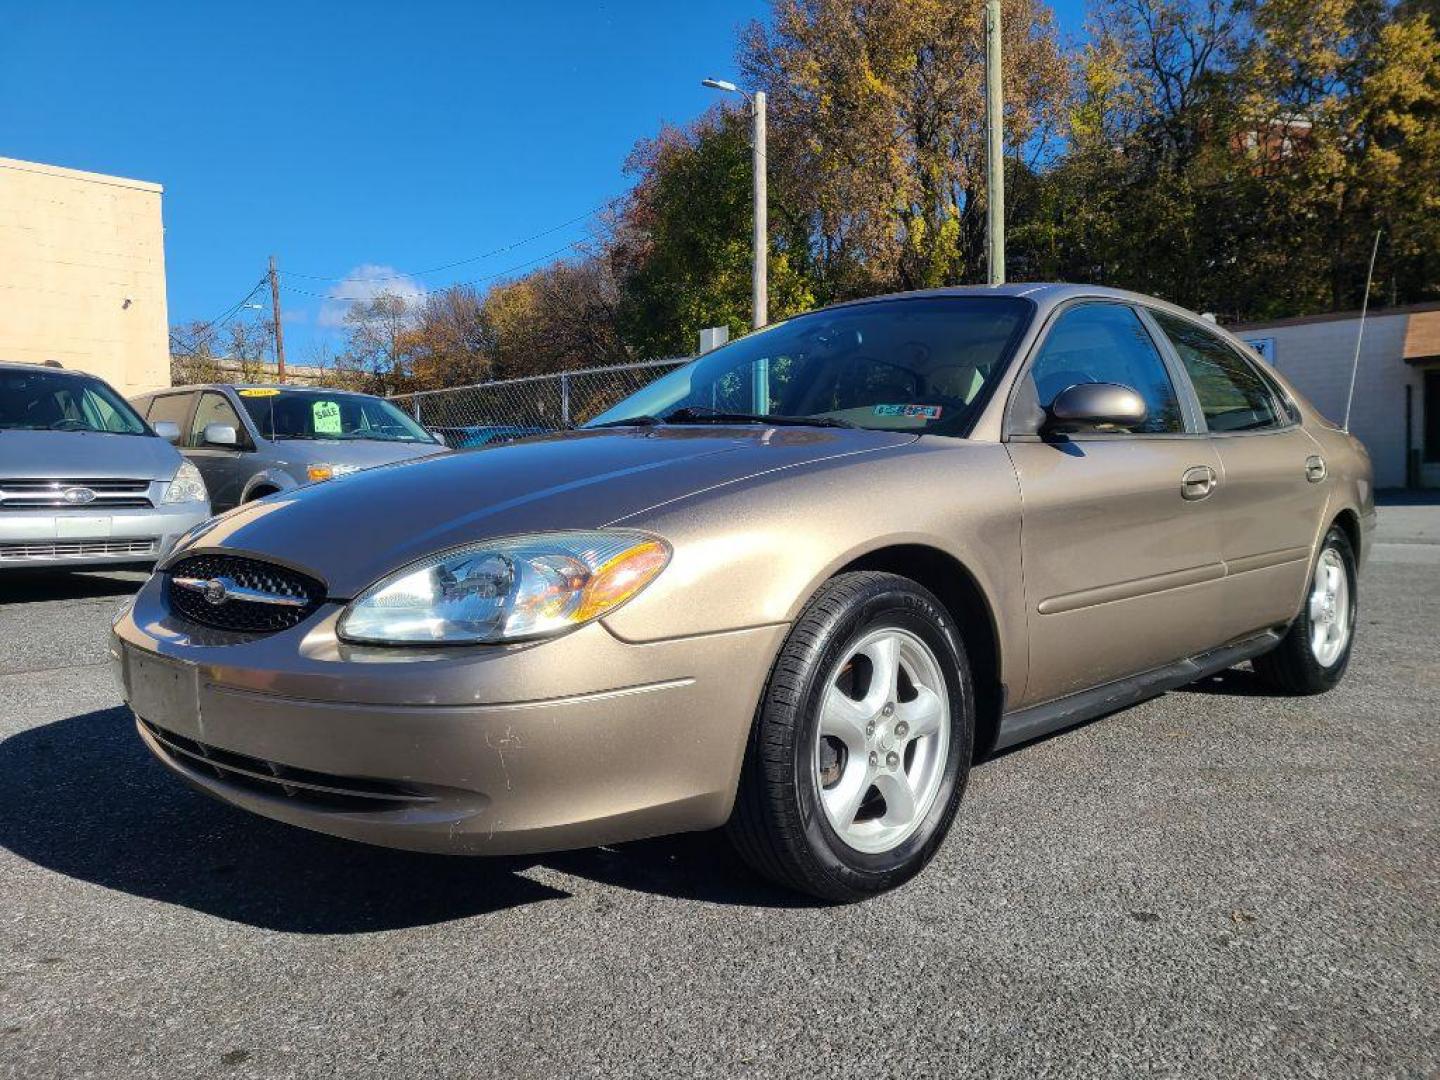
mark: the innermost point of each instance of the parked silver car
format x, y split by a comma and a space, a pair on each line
84, 480
252, 441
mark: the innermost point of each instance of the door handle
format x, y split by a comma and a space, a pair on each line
1314, 468
1197, 482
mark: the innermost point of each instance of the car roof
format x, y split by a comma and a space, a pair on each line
288, 387
15, 365
1046, 294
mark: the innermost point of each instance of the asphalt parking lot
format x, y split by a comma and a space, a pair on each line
1215, 883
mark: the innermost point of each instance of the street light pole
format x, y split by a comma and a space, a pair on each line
994, 148
760, 287
760, 241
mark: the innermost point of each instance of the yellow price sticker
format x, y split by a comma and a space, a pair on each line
260, 391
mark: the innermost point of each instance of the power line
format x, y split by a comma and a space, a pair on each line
196, 331
473, 281
398, 275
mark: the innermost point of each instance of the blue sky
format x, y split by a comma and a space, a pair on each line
359, 135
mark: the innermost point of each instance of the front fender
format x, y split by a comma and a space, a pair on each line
753, 553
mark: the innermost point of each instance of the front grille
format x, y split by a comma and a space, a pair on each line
42, 494
242, 616
320, 790
77, 549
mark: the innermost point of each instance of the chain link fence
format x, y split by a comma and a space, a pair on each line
490, 412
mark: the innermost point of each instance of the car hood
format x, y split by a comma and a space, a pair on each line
84, 455
352, 531
362, 453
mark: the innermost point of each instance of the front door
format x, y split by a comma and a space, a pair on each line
225, 468
1272, 493
1119, 538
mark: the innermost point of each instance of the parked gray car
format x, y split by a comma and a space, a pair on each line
252, 441
84, 480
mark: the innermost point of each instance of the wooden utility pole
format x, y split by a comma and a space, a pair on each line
279, 332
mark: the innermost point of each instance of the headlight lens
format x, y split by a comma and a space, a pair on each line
317, 473
506, 590
188, 486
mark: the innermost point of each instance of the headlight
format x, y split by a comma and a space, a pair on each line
330, 472
506, 590
188, 486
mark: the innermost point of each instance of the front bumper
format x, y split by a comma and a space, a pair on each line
573, 742
75, 539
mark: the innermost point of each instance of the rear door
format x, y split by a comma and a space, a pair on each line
1272, 495
1121, 553
225, 468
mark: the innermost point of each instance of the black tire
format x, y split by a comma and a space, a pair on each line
1292, 667
778, 826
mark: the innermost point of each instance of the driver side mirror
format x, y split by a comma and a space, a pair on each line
221, 435
1094, 407
168, 430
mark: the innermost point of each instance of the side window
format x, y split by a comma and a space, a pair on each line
172, 407
1232, 394
213, 409
1100, 343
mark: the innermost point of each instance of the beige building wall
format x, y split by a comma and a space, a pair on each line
82, 274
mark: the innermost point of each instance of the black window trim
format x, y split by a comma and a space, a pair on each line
1287, 415
1189, 404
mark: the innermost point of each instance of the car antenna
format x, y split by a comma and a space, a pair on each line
1360, 333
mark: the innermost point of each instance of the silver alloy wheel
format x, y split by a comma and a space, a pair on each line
1331, 613
879, 755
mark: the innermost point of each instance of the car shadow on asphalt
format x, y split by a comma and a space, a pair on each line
33, 586
82, 797
1232, 682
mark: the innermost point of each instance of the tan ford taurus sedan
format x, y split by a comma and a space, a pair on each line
795, 588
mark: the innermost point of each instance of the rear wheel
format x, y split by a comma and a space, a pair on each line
860, 752
1313, 655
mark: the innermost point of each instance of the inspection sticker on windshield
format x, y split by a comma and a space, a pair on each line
923, 412
327, 417
260, 391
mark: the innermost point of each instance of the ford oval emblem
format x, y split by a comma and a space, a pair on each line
78, 496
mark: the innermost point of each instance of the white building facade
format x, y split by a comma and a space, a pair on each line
1396, 407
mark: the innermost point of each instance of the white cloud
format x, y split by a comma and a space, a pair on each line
366, 282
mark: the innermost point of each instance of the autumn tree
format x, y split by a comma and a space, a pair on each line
684, 238
1364, 81
378, 343
447, 339
878, 106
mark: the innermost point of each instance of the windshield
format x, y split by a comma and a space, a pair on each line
325, 414
925, 364
48, 400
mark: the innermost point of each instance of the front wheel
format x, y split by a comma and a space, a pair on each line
860, 752
1313, 655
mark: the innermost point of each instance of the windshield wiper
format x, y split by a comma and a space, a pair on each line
694, 414
643, 420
